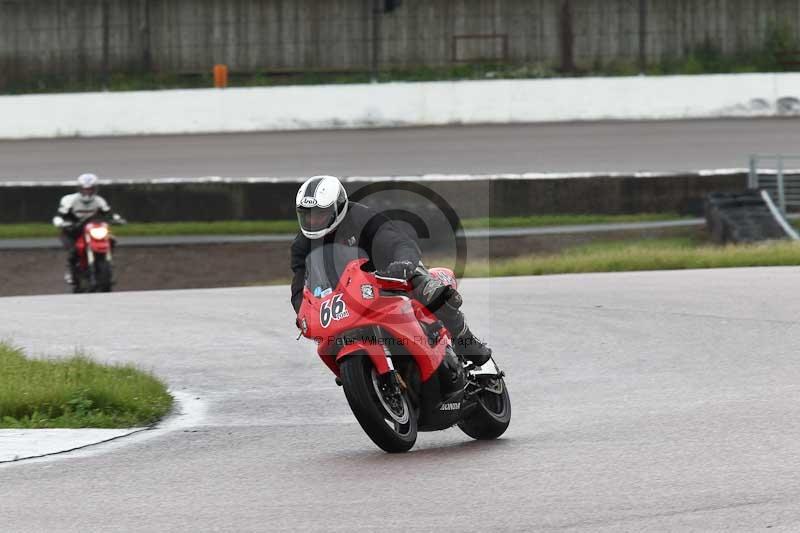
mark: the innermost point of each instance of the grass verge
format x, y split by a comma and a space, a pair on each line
76, 393
270, 227
656, 254
540, 221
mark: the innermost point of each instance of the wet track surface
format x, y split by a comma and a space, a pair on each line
572, 147
641, 401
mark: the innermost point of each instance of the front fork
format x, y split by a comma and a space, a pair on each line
393, 379
392, 374
90, 261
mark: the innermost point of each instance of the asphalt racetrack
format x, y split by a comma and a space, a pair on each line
569, 147
663, 401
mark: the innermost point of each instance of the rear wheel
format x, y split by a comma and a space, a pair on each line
492, 414
385, 414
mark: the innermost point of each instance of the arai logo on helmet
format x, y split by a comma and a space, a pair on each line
308, 201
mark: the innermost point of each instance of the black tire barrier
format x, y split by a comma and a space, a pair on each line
740, 218
470, 197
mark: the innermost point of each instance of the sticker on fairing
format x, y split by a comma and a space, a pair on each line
320, 293
367, 292
333, 309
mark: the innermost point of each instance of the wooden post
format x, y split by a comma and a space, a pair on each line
144, 29
642, 35
567, 38
106, 14
377, 11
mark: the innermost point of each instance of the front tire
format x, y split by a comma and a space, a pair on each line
102, 274
389, 420
80, 281
492, 414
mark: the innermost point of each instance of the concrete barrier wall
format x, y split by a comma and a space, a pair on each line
468, 196
398, 104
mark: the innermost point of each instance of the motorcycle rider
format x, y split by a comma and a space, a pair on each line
326, 215
75, 209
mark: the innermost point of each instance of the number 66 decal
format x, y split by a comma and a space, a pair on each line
333, 309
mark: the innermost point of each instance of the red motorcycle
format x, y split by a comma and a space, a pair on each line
392, 356
94, 245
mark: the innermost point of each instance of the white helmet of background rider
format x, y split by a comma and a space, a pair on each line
87, 187
321, 205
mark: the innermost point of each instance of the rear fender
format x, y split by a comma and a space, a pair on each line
375, 353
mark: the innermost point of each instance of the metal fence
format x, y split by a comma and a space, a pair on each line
775, 175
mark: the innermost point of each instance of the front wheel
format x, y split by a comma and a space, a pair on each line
80, 280
492, 414
385, 414
102, 274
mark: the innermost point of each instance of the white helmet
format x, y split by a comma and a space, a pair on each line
87, 184
321, 205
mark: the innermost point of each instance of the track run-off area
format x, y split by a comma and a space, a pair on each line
649, 401
610, 146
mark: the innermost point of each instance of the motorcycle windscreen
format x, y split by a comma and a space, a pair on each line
325, 265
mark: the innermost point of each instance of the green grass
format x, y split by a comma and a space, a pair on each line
563, 220
232, 227
655, 254
266, 227
76, 392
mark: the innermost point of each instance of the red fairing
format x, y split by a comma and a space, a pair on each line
100, 246
374, 351
357, 303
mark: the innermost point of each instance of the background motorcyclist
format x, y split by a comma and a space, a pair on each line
326, 215
75, 209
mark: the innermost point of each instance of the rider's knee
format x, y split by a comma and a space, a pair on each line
435, 294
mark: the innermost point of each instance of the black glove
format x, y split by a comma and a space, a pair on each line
401, 270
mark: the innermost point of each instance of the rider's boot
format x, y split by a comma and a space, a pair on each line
470, 347
69, 277
444, 302
72, 262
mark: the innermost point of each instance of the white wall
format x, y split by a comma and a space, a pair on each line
398, 104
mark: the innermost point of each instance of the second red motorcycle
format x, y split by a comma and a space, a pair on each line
94, 269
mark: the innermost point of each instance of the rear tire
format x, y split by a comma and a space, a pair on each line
491, 415
362, 393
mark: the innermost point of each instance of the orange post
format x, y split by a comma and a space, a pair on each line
220, 76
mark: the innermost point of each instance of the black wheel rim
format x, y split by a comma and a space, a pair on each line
394, 407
